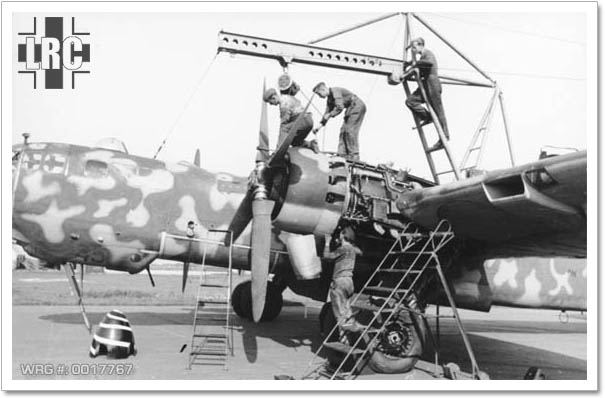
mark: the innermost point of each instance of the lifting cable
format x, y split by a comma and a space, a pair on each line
323, 139
195, 89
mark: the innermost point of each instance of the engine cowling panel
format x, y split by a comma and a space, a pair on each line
317, 193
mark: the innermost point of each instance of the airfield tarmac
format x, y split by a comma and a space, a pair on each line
506, 341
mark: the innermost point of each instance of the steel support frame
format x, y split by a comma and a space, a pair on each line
287, 52
483, 127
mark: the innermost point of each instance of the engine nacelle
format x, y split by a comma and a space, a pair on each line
317, 193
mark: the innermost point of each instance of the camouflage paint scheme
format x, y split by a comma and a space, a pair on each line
537, 209
530, 282
108, 208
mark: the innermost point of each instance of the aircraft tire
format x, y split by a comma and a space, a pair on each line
400, 345
273, 303
389, 358
236, 300
241, 301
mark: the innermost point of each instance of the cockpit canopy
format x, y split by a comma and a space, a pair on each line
113, 144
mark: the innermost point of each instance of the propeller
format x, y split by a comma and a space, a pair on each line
257, 207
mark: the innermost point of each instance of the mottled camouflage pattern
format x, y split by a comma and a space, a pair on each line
536, 209
108, 208
533, 282
102, 207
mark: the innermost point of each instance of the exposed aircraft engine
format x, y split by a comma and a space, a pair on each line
321, 190
374, 191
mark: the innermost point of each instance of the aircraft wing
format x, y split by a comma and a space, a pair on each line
535, 209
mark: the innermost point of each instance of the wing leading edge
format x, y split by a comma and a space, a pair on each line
537, 209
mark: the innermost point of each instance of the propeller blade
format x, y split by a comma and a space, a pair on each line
241, 218
280, 152
196, 159
262, 153
185, 272
261, 251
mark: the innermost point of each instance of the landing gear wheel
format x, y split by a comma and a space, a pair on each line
236, 299
327, 321
400, 345
241, 301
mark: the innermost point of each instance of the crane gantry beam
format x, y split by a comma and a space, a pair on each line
287, 52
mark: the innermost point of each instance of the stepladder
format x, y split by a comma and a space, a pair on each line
395, 329
212, 332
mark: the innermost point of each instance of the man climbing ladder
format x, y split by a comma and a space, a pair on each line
429, 78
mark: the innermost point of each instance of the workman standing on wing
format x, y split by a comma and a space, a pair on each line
339, 99
290, 109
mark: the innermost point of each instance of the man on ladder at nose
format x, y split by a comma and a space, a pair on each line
429, 78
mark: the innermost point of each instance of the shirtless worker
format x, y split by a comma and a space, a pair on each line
337, 100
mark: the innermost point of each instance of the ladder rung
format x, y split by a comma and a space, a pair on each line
445, 172
213, 285
370, 307
212, 301
213, 353
342, 347
399, 252
400, 271
208, 319
431, 150
210, 335
387, 290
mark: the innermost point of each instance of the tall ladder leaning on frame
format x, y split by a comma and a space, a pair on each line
414, 259
212, 335
478, 142
415, 74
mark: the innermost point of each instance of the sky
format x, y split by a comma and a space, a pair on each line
154, 76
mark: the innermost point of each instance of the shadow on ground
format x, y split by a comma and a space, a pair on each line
500, 359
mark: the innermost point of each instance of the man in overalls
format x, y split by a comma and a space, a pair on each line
339, 99
343, 251
429, 78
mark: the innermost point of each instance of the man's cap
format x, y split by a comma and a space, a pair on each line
318, 85
418, 40
268, 94
284, 82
